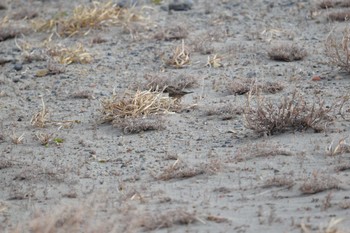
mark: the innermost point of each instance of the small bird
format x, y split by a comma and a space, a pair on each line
176, 93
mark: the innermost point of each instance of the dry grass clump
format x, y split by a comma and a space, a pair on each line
84, 18
136, 105
139, 124
41, 118
240, 86
177, 32
338, 50
154, 221
180, 57
341, 147
258, 150
319, 183
291, 113
181, 170
339, 15
286, 52
214, 61
76, 54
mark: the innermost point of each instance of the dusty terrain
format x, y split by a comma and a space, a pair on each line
203, 168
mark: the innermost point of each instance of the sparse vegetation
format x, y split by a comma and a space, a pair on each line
84, 18
286, 52
338, 49
180, 57
138, 104
214, 61
293, 112
68, 55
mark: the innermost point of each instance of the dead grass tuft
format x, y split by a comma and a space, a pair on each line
181, 170
180, 57
291, 113
76, 54
167, 219
214, 61
136, 105
286, 52
240, 86
256, 150
338, 50
177, 32
319, 183
85, 18
41, 118
341, 147
139, 124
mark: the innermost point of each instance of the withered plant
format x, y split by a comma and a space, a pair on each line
339, 148
214, 61
338, 50
180, 57
286, 52
84, 18
293, 112
141, 103
17, 139
42, 117
76, 54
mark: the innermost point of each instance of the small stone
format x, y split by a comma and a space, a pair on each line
18, 67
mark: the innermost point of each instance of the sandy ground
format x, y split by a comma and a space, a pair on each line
205, 171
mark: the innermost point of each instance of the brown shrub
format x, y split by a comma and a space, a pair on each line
338, 49
291, 113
